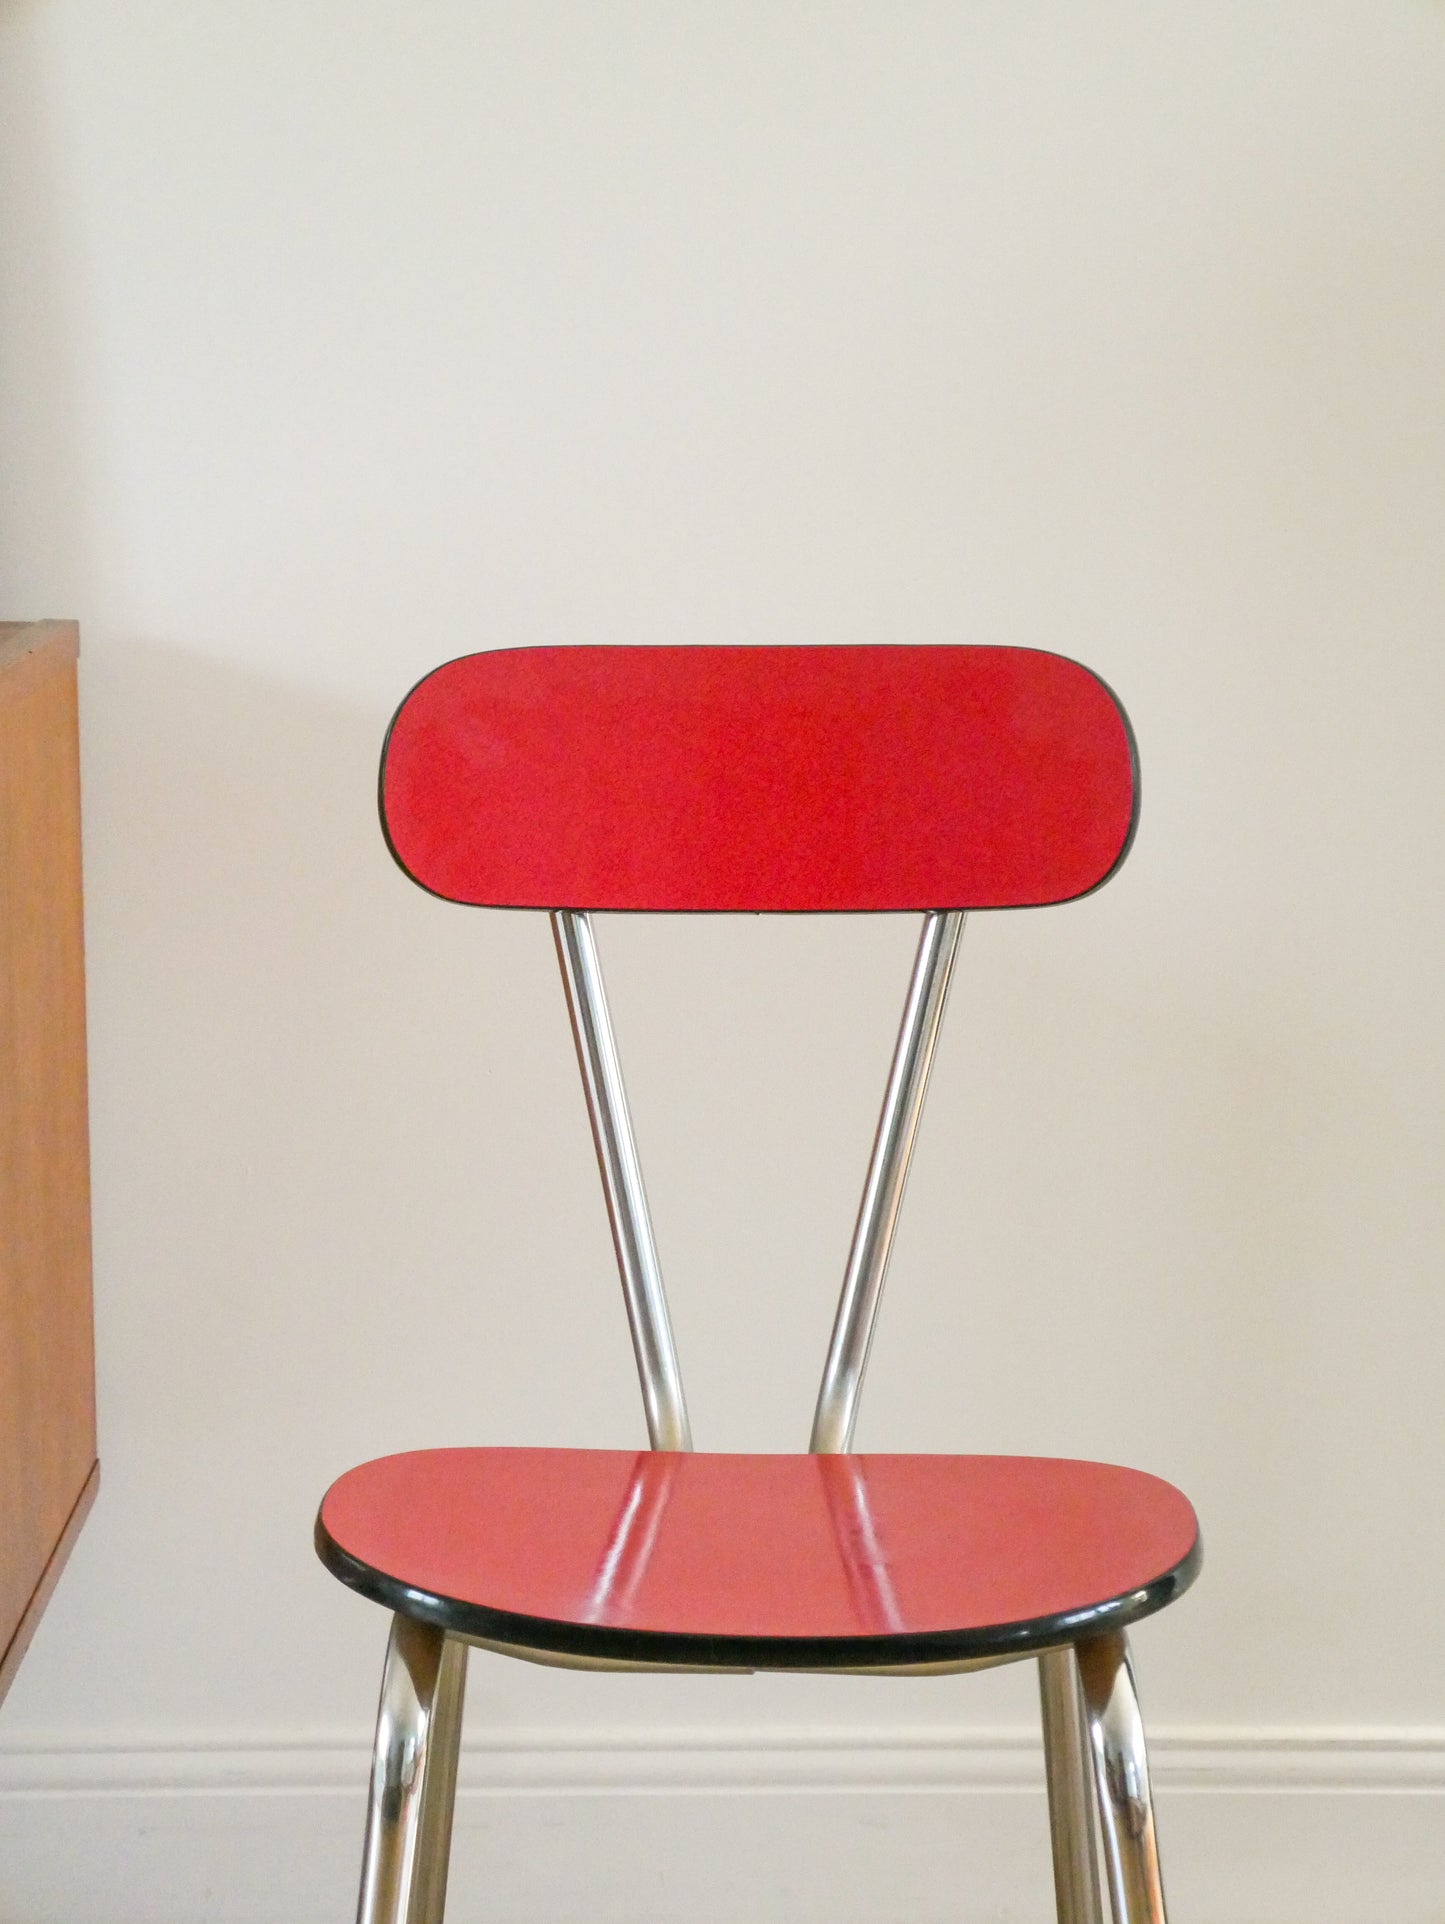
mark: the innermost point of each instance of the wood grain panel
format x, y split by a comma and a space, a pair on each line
47, 1384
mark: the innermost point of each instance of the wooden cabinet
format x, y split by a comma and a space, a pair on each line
48, 1468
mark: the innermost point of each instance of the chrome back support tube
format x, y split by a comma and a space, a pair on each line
837, 1409
657, 1370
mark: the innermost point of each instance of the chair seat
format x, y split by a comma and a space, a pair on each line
759, 1562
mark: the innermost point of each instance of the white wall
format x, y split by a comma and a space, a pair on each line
340, 338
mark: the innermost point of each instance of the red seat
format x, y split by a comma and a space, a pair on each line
764, 1562
749, 779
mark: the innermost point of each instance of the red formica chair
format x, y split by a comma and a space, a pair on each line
926, 779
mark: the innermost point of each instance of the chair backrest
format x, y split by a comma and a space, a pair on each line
759, 778
938, 779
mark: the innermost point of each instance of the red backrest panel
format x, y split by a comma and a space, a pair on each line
759, 778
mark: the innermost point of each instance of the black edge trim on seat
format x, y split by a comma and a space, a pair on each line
754, 1653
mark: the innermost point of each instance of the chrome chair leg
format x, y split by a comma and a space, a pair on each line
413, 1777
1069, 1772
1121, 1775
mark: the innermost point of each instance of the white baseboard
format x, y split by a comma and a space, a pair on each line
703, 1760
768, 1825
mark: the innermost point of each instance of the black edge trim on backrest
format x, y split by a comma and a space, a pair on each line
392, 849
1135, 785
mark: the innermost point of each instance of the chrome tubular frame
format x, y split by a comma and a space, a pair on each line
413, 1777
1069, 1771
657, 1369
837, 1408
1121, 1775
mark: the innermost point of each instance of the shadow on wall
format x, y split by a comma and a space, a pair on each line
266, 989
47, 520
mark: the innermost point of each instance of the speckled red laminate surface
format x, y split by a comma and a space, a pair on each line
761, 1546
786, 778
